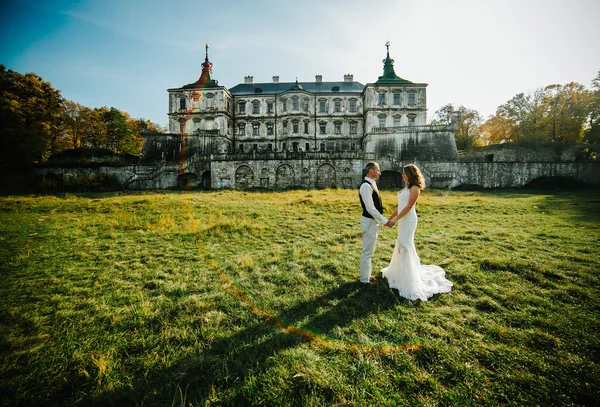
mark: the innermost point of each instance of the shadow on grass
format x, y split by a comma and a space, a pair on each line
230, 361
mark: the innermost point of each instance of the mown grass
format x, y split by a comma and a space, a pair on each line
247, 298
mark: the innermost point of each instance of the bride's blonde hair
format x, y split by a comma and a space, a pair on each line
415, 178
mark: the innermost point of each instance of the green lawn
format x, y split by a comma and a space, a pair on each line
248, 298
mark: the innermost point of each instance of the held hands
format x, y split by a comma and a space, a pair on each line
390, 223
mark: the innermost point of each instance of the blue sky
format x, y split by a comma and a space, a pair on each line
127, 53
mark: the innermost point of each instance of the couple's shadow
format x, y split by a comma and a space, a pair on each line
230, 360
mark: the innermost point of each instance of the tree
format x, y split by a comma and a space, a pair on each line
468, 132
119, 137
30, 109
592, 132
73, 117
499, 129
564, 112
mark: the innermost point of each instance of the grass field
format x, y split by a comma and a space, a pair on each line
248, 298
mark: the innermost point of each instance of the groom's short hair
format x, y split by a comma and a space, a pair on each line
370, 166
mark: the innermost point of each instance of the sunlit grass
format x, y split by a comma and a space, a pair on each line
239, 298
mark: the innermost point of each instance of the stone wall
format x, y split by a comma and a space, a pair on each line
500, 175
317, 173
418, 143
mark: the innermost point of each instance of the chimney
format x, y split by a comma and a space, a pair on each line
319, 78
276, 79
348, 78
248, 80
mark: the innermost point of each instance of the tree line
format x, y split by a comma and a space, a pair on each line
553, 115
37, 122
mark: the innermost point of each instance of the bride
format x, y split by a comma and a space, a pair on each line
405, 272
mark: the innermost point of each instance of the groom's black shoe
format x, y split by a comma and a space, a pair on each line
371, 280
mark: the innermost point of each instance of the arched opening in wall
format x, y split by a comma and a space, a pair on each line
206, 180
50, 181
326, 176
187, 181
390, 180
284, 176
586, 154
244, 177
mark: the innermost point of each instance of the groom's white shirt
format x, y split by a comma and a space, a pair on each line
366, 193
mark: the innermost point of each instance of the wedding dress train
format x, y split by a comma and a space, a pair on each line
405, 272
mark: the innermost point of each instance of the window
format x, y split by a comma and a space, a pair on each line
284, 105
411, 99
352, 146
182, 103
294, 103
255, 107
305, 127
255, 147
210, 100
338, 106
241, 148
270, 129
381, 121
338, 128
182, 126
396, 121
352, 127
255, 127
283, 146
382, 98
270, 107
295, 146
295, 126
396, 98
284, 125
321, 106
242, 129
352, 106
322, 127
307, 147
269, 147
411, 121
242, 107
322, 146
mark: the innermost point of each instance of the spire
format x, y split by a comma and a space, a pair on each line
389, 75
206, 70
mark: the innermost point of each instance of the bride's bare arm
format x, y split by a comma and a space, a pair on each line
412, 199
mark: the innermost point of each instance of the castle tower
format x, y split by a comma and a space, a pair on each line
202, 108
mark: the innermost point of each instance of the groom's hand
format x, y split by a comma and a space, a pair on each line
389, 224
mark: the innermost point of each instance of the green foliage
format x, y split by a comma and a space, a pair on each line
592, 132
37, 122
232, 298
30, 111
468, 125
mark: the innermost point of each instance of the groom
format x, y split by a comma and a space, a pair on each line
372, 218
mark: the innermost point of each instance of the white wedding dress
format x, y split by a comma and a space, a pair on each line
405, 272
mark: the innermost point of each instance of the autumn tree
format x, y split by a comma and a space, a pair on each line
73, 117
563, 113
550, 115
30, 109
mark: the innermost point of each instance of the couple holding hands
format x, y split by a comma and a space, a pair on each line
405, 272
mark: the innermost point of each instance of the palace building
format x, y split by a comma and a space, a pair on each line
280, 134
